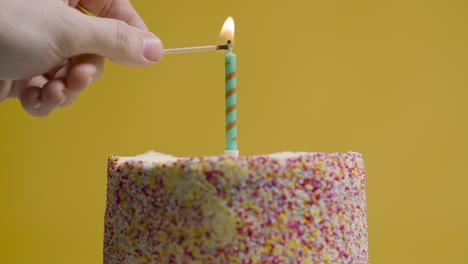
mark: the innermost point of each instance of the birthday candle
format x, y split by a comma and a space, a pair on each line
227, 33
231, 99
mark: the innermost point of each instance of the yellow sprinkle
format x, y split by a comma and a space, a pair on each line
242, 246
197, 233
151, 180
293, 244
315, 233
282, 217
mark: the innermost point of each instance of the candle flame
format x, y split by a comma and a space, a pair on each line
227, 31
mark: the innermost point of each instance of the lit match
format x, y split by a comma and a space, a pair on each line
195, 49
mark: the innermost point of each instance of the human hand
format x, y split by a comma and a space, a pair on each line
50, 50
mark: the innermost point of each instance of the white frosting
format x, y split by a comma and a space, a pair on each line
232, 153
152, 156
161, 158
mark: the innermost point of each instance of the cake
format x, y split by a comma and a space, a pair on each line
276, 208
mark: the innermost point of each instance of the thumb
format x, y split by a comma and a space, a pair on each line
118, 41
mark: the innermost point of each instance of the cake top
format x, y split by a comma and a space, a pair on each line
152, 157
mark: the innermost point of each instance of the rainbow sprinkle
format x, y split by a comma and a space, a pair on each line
279, 208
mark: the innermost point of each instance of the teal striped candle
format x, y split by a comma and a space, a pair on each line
231, 99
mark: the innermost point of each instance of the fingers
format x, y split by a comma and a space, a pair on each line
40, 96
33, 94
116, 40
30, 98
41, 101
84, 70
112, 37
117, 9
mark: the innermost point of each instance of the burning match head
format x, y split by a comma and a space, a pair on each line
225, 46
229, 45
222, 47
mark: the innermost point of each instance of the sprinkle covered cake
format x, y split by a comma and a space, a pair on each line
277, 208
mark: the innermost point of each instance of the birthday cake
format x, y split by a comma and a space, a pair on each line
277, 208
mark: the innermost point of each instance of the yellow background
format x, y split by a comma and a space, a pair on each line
385, 78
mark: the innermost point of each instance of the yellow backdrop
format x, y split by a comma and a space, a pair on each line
386, 78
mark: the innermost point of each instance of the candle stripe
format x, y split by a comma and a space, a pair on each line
231, 100
231, 117
231, 92
231, 125
230, 109
230, 76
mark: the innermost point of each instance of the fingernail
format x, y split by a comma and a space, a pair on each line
37, 105
90, 80
152, 47
64, 99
